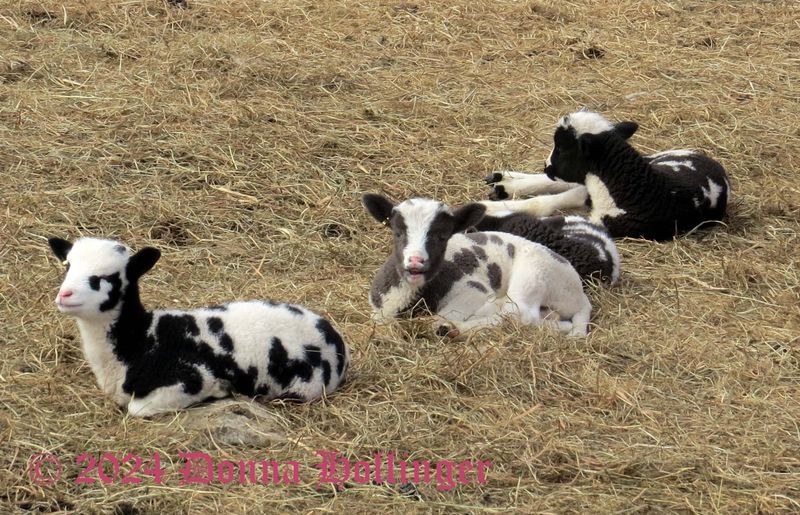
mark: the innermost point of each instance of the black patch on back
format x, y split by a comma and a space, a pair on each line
479, 252
217, 328
218, 307
496, 239
313, 355
478, 237
332, 337
511, 250
285, 370
121, 249
465, 259
495, 276
293, 309
478, 286
215, 324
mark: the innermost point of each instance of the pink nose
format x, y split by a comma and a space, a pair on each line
416, 261
65, 294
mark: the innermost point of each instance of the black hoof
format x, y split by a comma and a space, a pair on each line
493, 178
498, 193
446, 331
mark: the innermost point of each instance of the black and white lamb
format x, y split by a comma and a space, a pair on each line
165, 360
654, 197
588, 247
471, 280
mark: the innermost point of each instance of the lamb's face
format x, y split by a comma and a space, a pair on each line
96, 275
571, 157
422, 228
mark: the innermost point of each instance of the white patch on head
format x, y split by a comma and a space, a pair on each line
91, 257
602, 202
585, 122
418, 214
712, 193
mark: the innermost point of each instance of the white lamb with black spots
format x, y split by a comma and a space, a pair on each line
653, 197
470, 280
588, 247
168, 359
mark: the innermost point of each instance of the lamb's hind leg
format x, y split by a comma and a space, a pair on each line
543, 205
509, 184
580, 320
531, 315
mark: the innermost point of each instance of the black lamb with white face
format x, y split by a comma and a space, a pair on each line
592, 164
164, 360
588, 247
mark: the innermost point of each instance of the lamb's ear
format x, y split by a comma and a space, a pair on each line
378, 206
468, 216
141, 262
60, 247
626, 129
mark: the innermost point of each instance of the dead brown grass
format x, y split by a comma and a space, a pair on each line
238, 135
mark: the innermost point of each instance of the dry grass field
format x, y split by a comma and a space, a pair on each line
237, 136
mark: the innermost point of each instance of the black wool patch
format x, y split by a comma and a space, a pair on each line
332, 337
215, 325
114, 294
326, 373
293, 309
217, 328
285, 370
495, 276
479, 252
478, 286
466, 260
478, 237
313, 355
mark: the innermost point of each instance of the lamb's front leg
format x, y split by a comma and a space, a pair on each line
509, 184
174, 398
543, 205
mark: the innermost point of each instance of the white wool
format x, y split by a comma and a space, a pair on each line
585, 122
